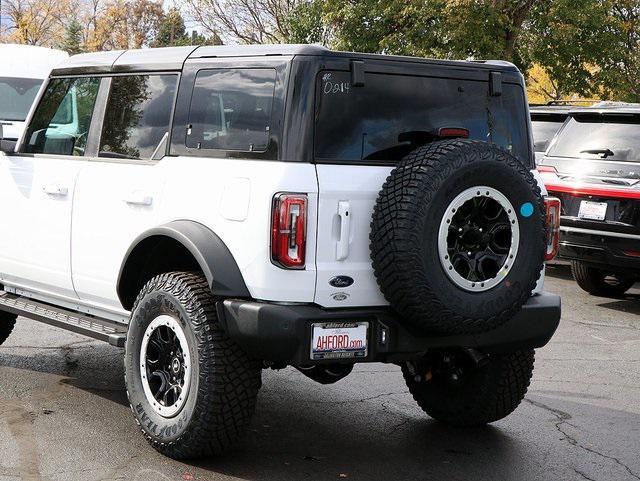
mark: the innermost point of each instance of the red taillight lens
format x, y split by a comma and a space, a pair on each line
547, 168
552, 209
289, 230
453, 133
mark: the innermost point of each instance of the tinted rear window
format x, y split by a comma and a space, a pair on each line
543, 132
392, 114
599, 137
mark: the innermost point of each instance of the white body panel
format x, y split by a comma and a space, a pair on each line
37, 196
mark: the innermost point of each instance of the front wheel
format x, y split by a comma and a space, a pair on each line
455, 388
191, 388
598, 282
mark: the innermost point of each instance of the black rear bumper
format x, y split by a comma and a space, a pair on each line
282, 333
599, 248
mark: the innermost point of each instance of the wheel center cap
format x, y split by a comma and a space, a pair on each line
176, 365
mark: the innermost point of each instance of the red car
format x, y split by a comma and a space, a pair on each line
593, 166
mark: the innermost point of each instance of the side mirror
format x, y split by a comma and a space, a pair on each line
6, 146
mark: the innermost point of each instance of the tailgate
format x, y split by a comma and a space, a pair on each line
345, 205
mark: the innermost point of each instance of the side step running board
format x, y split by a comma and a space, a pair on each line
102, 329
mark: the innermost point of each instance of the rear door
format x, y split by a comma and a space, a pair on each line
361, 132
118, 193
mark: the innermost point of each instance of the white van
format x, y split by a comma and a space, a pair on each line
22, 71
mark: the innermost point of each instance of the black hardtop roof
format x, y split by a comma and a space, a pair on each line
173, 58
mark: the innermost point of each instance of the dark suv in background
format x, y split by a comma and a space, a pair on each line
593, 166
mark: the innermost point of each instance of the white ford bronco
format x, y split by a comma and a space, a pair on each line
221, 210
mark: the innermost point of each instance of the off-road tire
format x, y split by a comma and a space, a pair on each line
491, 392
224, 381
594, 281
7, 323
404, 237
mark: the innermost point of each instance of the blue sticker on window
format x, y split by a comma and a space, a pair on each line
526, 209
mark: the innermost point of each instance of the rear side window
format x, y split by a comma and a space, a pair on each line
607, 137
60, 124
543, 132
231, 109
138, 115
393, 114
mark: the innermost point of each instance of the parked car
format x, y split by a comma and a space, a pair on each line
217, 210
593, 166
22, 71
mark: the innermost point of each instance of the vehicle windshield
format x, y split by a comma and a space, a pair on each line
391, 115
604, 137
16, 97
543, 132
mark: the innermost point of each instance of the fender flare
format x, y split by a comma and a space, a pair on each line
212, 255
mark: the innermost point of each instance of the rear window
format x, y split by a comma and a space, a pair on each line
393, 114
543, 132
599, 137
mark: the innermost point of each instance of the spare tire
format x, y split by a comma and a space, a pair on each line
458, 237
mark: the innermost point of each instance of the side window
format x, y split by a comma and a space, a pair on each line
60, 124
138, 115
231, 109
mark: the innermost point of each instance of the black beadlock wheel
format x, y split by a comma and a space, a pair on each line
450, 387
458, 237
7, 323
191, 388
598, 282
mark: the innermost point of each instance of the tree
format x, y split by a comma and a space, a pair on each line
36, 22
126, 24
72, 42
245, 21
172, 32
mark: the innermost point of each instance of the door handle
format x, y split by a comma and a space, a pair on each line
139, 198
342, 248
53, 189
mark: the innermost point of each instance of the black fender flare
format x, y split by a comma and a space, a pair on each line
212, 255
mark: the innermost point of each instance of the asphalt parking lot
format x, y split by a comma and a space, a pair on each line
64, 415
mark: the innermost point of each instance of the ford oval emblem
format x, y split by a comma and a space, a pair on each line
341, 281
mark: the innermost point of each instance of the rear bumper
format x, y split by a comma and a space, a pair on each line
282, 333
599, 248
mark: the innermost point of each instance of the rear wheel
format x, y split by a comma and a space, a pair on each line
455, 388
598, 282
191, 388
7, 323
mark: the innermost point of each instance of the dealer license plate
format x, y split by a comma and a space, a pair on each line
339, 340
592, 210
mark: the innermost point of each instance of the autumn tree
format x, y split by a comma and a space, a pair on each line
36, 22
126, 24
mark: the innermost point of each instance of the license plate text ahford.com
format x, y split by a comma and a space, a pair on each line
339, 340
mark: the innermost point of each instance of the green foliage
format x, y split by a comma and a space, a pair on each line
72, 43
584, 47
172, 32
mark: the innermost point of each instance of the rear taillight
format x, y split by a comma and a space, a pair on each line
289, 230
552, 209
547, 168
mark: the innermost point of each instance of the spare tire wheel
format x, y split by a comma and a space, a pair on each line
458, 237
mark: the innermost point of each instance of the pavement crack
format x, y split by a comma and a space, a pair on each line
562, 419
584, 476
